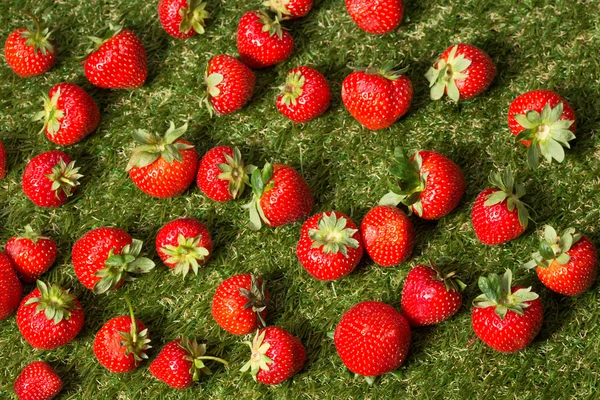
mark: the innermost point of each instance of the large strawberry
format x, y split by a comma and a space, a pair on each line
261, 41
37, 381
31, 254
462, 72
567, 264
304, 96
377, 97
11, 288
222, 175
430, 184
506, 318
182, 19
378, 17
163, 166
2, 160
104, 258
289, 9
229, 84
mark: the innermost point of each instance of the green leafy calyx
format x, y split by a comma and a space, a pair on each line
333, 235
188, 254
387, 70
136, 343
293, 88
270, 25
510, 192
258, 360
111, 31
234, 171
194, 17
497, 293
279, 7
443, 75
56, 302
30, 234
197, 356
257, 299
261, 182
38, 38
411, 182
553, 248
64, 178
51, 115
450, 280
155, 146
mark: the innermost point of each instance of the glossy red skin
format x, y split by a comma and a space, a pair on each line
31, 260
120, 63
37, 381
388, 235
23, 60
170, 18
171, 367
189, 228
108, 348
313, 101
11, 288
287, 353
36, 185
2, 161
372, 338
237, 85
375, 101
90, 252
296, 8
495, 224
378, 17
259, 49
480, 73
208, 172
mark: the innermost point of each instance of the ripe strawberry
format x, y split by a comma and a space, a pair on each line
11, 289
506, 318
58, 324
498, 214
567, 264
37, 381
31, 254
163, 166
372, 338
222, 175
229, 83
182, 19
382, 16
388, 235
462, 72
181, 362
304, 96
104, 258
276, 356
431, 185
2, 160
377, 97
118, 61
29, 52
289, 9
50, 179
240, 304
261, 41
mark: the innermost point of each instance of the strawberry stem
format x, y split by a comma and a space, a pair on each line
38, 27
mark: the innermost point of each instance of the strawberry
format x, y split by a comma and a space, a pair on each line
377, 97
104, 258
31, 254
2, 160
240, 304
304, 96
11, 288
50, 179
388, 235
567, 264
58, 324
182, 19
181, 362
69, 115
372, 338
330, 246
289, 9
163, 166
544, 122
379, 17
29, 52
229, 84
506, 318
184, 244
261, 41
117, 62
430, 184
462, 72
276, 356
498, 214
281, 196
37, 381
222, 175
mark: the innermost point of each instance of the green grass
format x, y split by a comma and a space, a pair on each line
536, 44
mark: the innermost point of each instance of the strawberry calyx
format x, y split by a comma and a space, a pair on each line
553, 248
386, 70
32, 235
211, 81
257, 299
186, 254
111, 32
509, 191
56, 302
411, 183
443, 75
270, 25
279, 7
135, 342
234, 171
194, 17
292, 89
261, 182
51, 114
258, 360
333, 235
64, 178
38, 38
155, 146
450, 280
197, 355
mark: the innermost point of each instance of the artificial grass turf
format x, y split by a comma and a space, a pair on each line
535, 44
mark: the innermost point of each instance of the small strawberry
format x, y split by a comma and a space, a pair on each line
31, 254
50, 179
11, 288
104, 258
37, 381
567, 264
388, 235
2, 160
163, 166
506, 318
377, 97
462, 72
49, 317
222, 175
305, 95
382, 16
229, 83
261, 41
276, 356
182, 19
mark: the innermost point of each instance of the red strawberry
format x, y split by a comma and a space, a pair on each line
261, 41
182, 19
330, 246
49, 317
506, 318
31, 254
50, 179
372, 338
281, 196
118, 62
498, 214
222, 175
163, 166
230, 84
382, 16
29, 52
462, 72
276, 356
181, 362
289, 9
2, 160
304, 96
240, 304
104, 258
11, 289
37, 381
377, 97
388, 235
567, 264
